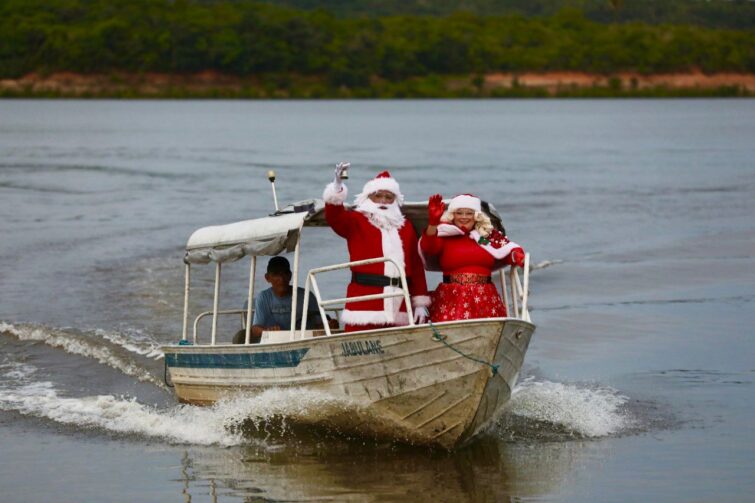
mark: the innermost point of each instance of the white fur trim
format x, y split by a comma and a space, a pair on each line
392, 248
465, 201
331, 196
446, 230
372, 318
389, 184
421, 301
362, 197
497, 253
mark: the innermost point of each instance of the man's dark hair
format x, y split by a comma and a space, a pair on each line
278, 265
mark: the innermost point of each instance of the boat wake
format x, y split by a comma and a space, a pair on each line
223, 424
538, 410
117, 355
544, 264
134, 341
544, 410
177, 424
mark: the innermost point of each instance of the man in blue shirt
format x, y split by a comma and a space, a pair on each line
272, 307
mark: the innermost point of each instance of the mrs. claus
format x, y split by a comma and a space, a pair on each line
463, 243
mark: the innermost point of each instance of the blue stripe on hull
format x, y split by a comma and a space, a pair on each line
271, 360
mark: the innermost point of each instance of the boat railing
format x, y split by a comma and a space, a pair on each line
321, 304
242, 313
516, 294
201, 315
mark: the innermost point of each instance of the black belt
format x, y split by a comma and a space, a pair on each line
374, 279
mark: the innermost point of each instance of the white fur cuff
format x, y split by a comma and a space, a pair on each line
421, 301
331, 196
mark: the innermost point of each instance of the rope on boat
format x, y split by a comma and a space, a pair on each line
438, 337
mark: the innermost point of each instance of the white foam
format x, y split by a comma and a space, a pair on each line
17, 371
182, 424
589, 412
135, 342
291, 403
78, 345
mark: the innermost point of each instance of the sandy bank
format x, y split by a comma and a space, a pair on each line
552, 81
213, 84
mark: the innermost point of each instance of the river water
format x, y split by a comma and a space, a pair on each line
638, 384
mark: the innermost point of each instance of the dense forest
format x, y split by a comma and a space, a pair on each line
244, 38
710, 13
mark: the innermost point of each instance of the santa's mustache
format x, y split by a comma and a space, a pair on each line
382, 215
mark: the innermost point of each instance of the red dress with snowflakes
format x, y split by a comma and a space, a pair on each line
462, 257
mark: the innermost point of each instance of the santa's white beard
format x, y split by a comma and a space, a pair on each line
384, 216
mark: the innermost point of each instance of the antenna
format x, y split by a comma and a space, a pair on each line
271, 177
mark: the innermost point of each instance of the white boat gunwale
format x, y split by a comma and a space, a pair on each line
261, 346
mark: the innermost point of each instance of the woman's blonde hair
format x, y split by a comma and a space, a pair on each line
483, 225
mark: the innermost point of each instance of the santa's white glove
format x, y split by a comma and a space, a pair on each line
421, 315
340, 168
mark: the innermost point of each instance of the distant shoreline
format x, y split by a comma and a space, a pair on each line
210, 84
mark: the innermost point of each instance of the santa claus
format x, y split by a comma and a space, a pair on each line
377, 228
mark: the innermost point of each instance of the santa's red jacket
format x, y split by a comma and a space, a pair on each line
366, 241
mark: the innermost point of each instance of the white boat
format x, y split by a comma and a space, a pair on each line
431, 384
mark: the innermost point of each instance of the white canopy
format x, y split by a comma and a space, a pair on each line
261, 236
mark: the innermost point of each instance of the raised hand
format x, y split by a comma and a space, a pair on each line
435, 209
340, 168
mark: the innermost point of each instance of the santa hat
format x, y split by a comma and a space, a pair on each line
383, 181
465, 201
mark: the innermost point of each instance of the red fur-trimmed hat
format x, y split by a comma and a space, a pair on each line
383, 181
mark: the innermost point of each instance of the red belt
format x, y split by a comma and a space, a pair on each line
467, 278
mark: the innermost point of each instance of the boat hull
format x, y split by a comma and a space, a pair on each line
404, 383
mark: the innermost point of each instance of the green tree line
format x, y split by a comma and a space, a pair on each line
711, 13
245, 38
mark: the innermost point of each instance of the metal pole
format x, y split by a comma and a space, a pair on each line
187, 282
504, 291
215, 304
275, 197
295, 291
250, 298
526, 287
514, 292
323, 316
405, 287
271, 177
305, 309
